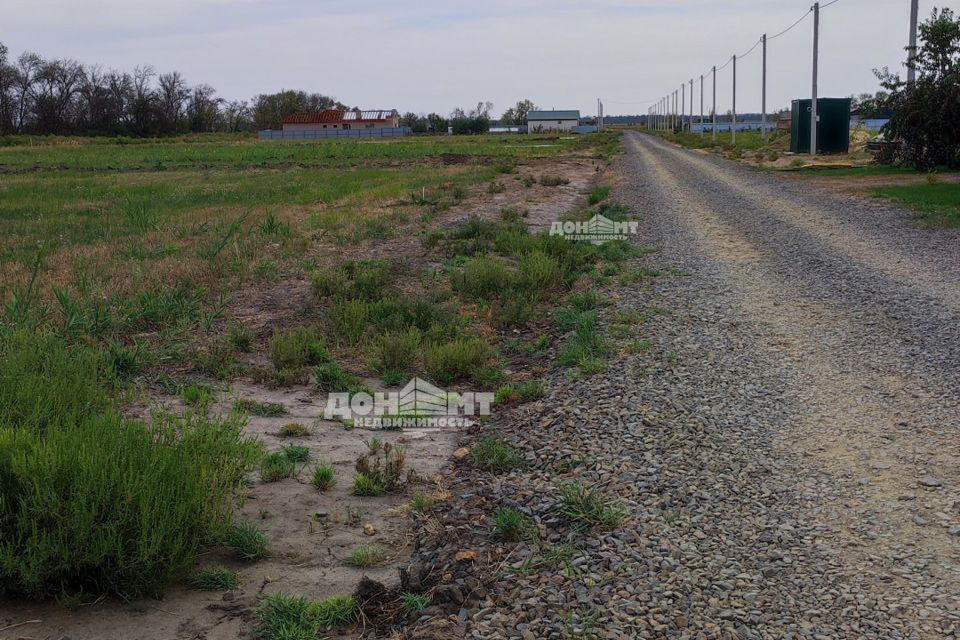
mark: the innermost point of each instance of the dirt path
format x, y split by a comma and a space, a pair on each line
860, 311
785, 450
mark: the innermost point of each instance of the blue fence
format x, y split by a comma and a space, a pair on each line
271, 134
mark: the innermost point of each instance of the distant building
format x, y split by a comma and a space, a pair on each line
548, 121
336, 120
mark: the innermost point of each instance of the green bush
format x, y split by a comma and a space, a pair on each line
537, 271
247, 541
456, 360
348, 320
109, 505
483, 278
328, 282
332, 377
46, 382
397, 350
297, 348
598, 195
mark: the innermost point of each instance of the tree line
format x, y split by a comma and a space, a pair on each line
64, 97
60, 96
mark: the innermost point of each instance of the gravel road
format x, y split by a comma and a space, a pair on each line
787, 449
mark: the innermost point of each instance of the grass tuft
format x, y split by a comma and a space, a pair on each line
323, 477
589, 507
495, 455
366, 555
247, 542
213, 579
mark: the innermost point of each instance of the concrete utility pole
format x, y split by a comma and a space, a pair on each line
714, 127
816, 60
912, 49
763, 117
691, 105
701, 105
733, 121
683, 106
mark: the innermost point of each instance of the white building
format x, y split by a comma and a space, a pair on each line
548, 121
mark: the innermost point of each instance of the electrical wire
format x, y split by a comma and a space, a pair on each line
829, 3
791, 27
757, 44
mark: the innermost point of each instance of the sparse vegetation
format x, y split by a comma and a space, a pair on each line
211, 579
511, 525
366, 555
259, 408
414, 603
323, 477
294, 430
589, 507
492, 454
247, 541
285, 617
276, 466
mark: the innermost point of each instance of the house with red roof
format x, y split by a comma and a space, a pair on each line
337, 120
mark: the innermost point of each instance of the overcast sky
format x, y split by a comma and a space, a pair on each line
434, 55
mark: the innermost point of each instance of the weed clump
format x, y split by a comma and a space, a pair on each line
492, 454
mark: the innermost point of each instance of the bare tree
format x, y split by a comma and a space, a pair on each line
172, 98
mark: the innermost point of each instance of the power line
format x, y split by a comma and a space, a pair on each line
757, 44
791, 27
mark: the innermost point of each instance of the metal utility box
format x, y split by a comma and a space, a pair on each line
833, 130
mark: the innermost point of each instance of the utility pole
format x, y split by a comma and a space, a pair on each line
912, 49
691, 105
714, 127
733, 121
701, 105
763, 117
683, 105
814, 120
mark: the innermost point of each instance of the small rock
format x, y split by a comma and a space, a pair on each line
369, 529
930, 481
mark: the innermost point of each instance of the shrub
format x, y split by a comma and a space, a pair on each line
283, 617
113, 505
496, 455
328, 282
530, 390
549, 180
295, 453
517, 310
397, 350
483, 278
537, 271
586, 300
332, 377
196, 395
239, 337
276, 466
46, 382
456, 360
297, 348
496, 187
323, 477
369, 279
348, 320
379, 471
294, 429
247, 542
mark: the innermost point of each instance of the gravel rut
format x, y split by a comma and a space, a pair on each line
788, 447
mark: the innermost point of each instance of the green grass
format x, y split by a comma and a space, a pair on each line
366, 555
323, 477
297, 348
511, 525
247, 542
294, 430
456, 360
276, 466
588, 507
214, 579
492, 454
285, 617
422, 502
414, 603
295, 453
938, 204
258, 408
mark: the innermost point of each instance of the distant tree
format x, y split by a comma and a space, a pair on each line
203, 109
237, 116
437, 123
7, 85
417, 123
473, 122
172, 96
518, 113
925, 113
269, 110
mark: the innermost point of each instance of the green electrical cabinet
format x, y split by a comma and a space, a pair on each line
833, 132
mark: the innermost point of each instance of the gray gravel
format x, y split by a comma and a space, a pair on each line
786, 450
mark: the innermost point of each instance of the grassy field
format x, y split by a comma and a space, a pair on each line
120, 266
938, 203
